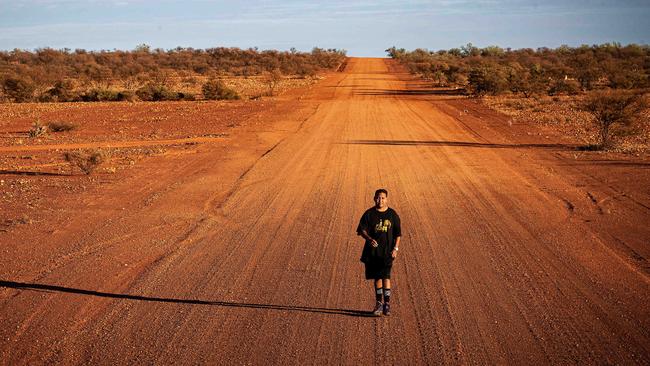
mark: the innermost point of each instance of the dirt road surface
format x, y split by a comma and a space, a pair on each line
244, 251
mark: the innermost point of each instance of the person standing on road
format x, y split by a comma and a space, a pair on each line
380, 227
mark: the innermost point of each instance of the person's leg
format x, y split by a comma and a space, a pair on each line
379, 293
379, 290
387, 293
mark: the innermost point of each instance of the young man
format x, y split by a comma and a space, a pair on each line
380, 226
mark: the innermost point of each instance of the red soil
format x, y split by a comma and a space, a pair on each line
240, 248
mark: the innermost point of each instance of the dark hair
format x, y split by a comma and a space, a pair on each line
381, 190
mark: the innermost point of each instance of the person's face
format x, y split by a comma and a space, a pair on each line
381, 200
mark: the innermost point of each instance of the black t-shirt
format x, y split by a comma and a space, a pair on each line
384, 227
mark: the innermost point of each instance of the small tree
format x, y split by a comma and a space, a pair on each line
516, 77
394, 52
535, 81
272, 79
612, 109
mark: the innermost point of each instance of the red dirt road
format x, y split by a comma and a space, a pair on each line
248, 256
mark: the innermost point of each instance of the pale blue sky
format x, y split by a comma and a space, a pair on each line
364, 28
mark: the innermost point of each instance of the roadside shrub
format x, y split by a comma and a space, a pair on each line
46, 98
18, 89
215, 89
99, 95
487, 79
126, 95
106, 95
47, 72
627, 78
565, 86
535, 81
440, 78
87, 161
61, 126
305, 71
155, 92
612, 112
185, 96
534, 71
456, 79
62, 91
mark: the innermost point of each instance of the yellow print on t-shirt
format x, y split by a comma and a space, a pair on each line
383, 226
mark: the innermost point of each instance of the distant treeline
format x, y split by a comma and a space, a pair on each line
563, 70
64, 75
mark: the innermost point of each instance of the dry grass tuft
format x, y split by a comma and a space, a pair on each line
61, 126
37, 130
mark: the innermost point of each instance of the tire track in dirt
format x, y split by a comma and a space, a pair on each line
112, 144
505, 199
153, 261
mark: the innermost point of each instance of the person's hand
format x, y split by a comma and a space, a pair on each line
374, 243
394, 253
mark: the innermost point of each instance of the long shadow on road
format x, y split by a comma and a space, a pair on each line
408, 92
459, 144
28, 172
52, 288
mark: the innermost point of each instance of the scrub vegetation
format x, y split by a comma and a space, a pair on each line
50, 75
563, 70
602, 86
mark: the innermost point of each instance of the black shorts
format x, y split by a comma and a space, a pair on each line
376, 271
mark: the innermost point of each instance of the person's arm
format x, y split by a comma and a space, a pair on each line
362, 230
397, 232
365, 235
396, 247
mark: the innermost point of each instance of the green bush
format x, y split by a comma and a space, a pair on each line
487, 79
612, 111
215, 89
155, 92
533, 71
